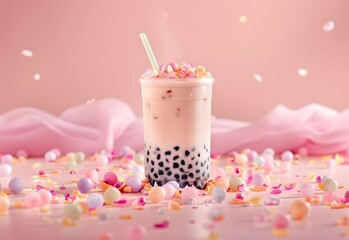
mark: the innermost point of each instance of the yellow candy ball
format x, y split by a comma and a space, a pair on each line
234, 182
157, 194
111, 195
299, 209
72, 212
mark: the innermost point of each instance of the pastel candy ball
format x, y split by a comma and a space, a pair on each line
111, 195
269, 151
92, 174
189, 192
299, 209
268, 166
137, 232
16, 185
46, 197
241, 159
259, 160
138, 158
258, 179
174, 184
102, 159
329, 184
79, 157
170, 191
157, 194
285, 167
7, 158
4, 204
5, 170
32, 199
222, 182
56, 151
111, 178
251, 155
281, 220
307, 190
94, 201
50, 156
72, 211
85, 185
287, 156
218, 194
234, 182
135, 183
71, 165
268, 156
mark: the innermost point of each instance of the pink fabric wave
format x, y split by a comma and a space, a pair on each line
111, 124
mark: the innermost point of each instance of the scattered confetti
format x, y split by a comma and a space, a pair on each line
303, 72
328, 27
257, 77
27, 53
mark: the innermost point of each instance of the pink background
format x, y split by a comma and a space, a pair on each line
86, 49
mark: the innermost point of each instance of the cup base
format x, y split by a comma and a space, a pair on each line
199, 184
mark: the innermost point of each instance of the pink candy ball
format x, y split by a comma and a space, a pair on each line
5, 170
287, 156
170, 191
111, 178
32, 200
251, 155
189, 192
137, 232
56, 151
285, 167
102, 159
174, 184
157, 194
46, 196
281, 220
92, 174
7, 158
306, 190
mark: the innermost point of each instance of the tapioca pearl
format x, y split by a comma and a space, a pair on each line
147, 160
203, 174
159, 183
176, 176
186, 153
196, 163
190, 166
168, 161
197, 171
207, 167
158, 156
182, 170
161, 172
184, 177
193, 158
161, 164
193, 149
168, 153
175, 165
191, 175
183, 162
176, 148
167, 168
152, 162
152, 170
199, 155
156, 175
169, 173
175, 158
148, 153
157, 149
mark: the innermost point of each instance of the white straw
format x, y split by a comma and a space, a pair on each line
150, 54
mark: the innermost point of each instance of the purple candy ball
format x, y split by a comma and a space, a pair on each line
135, 183
251, 155
16, 185
85, 185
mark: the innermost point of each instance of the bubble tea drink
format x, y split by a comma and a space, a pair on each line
177, 124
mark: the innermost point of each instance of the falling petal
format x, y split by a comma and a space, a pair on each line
243, 19
328, 27
303, 72
37, 76
27, 53
257, 77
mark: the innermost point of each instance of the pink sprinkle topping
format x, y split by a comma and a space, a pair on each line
290, 187
275, 191
163, 224
249, 180
141, 201
240, 188
66, 196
